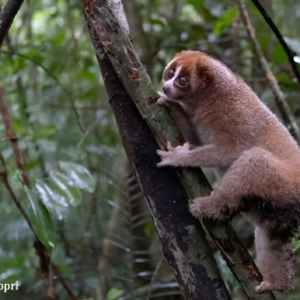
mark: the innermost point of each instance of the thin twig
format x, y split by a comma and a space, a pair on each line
63, 282
280, 38
104, 260
51, 292
280, 99
157, 268
7, 15
91, 127
12, 137
4, 179
23, 102
44, 267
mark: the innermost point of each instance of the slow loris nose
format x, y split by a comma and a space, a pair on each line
165, 89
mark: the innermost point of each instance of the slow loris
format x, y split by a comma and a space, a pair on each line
229, 127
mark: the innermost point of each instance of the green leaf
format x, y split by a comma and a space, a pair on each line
264, 41
157, 22
296, 245
16, 262
53, 191
198, 4
79, 174
54, 199
226, 20
44, 132
286, 80
87, 74
40, 220
20, 128
114, 293
11, 267
34, 54
65, 269
155, 3
19, 63
279, 55
10, 275
32, 164
91, 94
68, 190
59, 38
149, 228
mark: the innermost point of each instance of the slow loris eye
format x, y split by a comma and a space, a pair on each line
170, 73
182, 80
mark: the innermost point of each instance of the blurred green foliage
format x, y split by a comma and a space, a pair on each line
81, 206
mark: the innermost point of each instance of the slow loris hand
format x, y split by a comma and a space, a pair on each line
165, 100
174, 156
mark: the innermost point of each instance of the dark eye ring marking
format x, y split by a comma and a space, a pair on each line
170, 73
182, 80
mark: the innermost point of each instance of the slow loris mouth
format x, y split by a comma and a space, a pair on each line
161, 94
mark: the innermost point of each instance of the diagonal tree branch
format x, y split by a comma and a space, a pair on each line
115, 54
7, 15
284, 108
280, 38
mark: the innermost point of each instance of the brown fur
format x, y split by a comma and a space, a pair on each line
229, 127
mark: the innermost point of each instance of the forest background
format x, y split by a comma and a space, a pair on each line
90, 210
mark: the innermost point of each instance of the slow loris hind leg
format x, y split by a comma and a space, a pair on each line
255, 173
275, 260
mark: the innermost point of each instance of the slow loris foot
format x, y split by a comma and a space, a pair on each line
268, 286
206, 208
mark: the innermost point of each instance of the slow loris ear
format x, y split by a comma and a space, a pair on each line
206, 77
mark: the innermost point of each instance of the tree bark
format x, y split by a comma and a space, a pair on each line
183, 239
7, 15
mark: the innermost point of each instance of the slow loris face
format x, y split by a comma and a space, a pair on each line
187, 75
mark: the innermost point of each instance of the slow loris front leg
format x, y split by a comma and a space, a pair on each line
181, 118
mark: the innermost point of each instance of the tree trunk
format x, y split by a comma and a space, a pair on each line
133, 100
182, 237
